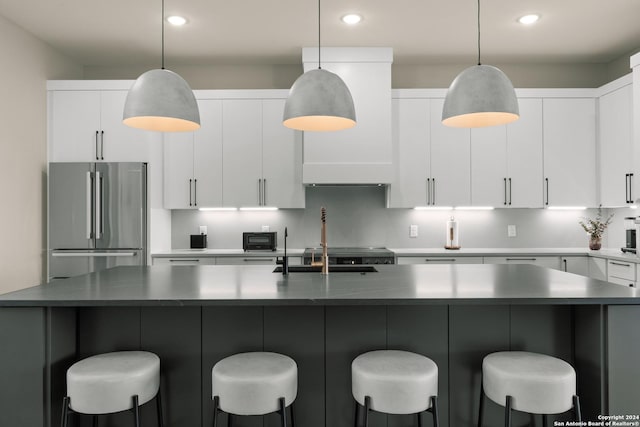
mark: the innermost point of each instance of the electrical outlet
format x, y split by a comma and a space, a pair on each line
413, 231
265, 228
203, 229
511, 231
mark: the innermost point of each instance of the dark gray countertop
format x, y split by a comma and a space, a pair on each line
162, 285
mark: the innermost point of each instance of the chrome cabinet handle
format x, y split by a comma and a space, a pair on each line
98, 214
97, 157
264, 192
565, 264
259, 191
509, 191
433, 193
520, 259
428, 191
101, 145
195, 192
257, 259
626, 187
89, 186
505, 191
440, 259
620, 264
547, 182
184, 260
630, 191
190, 200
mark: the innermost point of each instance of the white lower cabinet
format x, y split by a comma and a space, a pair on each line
184, 261
597, 268
621, 273
542, 261
405, 260
575, 264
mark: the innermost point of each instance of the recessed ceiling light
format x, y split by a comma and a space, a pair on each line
528, 19
352, 18
176, 20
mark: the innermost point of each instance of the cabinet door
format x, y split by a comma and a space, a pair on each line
118, 142
74, 126
524, 156
569, 152
542, 261
450, 161
439, 260
207, 155
281, 159
616, 146
242, 152
489, 181
248, 260
597, 268
178, 170
575, 264
410, 132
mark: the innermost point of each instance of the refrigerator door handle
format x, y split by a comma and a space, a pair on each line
98, 225
89, 210
66, 254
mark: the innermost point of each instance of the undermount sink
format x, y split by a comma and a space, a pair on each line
332, 269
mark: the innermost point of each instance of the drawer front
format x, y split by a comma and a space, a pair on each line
438, 260
622, 270
622, 282
184, 261
246, 260
542, 261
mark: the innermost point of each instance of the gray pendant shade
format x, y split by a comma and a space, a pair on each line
480, 96
319, 100
161, 100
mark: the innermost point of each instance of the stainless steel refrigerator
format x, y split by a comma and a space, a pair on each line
97, 217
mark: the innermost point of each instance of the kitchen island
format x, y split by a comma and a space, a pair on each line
193, 316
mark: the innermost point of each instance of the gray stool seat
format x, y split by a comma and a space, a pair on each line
105, 383
253, 383
398, 382
537, 383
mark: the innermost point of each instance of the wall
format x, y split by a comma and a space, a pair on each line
356, 216
282, 76
28, 63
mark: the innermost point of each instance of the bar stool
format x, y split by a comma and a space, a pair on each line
528, 382
112, 382
394, 382
255, 383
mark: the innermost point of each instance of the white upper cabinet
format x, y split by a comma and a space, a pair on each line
86, 126
242, 152
281, 159
569, 137
616, 148
193, 162
506, 161
449, 160
411, 147
431, 161
262, 158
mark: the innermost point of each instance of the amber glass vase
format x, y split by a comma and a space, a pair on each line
595, 243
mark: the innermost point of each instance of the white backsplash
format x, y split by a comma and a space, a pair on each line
356, 216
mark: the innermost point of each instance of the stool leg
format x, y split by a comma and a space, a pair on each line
481, 410
356, 413
283, 412
367, 405
159, 408
229, 420
576, 408
507, 412
545, 420
419, 419
291, 414
216, 401
65, 411
136, 411
434, 410
95, 421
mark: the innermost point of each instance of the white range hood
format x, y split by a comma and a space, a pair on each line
363, 154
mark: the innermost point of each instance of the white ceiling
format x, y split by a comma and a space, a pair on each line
127, 32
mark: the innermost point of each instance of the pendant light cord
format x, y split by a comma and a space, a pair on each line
162, 32
319, 67
478, 32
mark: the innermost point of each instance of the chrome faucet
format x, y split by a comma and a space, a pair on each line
323, 243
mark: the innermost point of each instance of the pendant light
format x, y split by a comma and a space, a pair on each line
480, 96
161, 100
319, 100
